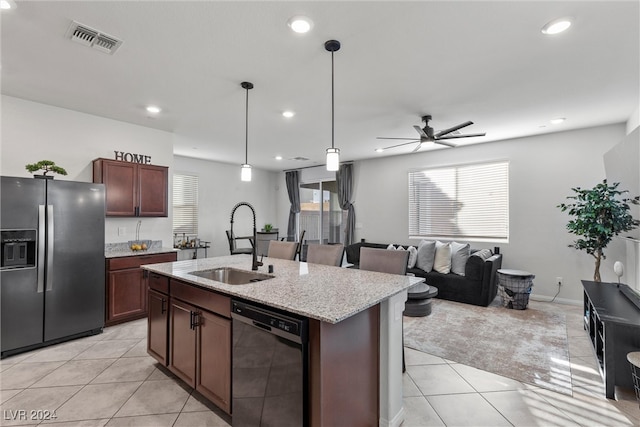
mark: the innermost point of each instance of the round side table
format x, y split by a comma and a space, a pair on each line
634, 360
419, 300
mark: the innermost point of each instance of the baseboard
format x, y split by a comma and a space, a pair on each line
544, 298
395, 422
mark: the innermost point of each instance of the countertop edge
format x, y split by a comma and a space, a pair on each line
241, 291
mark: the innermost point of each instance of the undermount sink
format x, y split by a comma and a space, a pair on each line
231, 276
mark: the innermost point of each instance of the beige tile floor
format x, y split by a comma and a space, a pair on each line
109, 380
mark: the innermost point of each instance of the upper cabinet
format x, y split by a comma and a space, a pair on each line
133, 189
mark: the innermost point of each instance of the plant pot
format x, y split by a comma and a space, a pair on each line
43, 176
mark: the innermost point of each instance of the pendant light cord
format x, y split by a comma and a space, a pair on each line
332, 104
246, 130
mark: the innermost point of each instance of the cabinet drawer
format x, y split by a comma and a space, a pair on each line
138, 260
208, 300
159, 282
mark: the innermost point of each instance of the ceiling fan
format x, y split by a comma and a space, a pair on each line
427, 135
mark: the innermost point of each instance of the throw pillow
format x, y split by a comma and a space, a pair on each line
442, 260
413, 257
391, 248
483, 253
459, 257
426, 255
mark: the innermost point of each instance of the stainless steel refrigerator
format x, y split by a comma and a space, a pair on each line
52, 283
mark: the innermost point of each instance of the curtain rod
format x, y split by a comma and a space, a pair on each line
317, 166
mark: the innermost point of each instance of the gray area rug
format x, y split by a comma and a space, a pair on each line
529, 345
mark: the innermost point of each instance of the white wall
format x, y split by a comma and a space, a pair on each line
543, 169
220, 189
32, 132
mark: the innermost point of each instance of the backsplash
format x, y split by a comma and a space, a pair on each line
124, 246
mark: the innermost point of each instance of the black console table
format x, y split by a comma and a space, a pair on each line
613, 323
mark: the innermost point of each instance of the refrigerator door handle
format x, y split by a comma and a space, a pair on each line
49, 247
40, 254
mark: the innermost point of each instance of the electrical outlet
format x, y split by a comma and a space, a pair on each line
559, 281
122, 231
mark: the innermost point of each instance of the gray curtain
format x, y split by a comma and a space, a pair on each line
344, 177
292, 179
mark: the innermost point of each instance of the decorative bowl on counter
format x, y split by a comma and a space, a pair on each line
139, 245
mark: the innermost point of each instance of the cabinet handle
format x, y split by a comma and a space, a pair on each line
196, 319
191, 313
163, 308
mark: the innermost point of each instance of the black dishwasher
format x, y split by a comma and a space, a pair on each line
269, 367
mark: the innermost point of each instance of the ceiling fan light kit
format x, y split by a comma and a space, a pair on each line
427, 135
245, 171
333, 154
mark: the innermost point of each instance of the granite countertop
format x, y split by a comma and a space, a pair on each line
326, 293
116, 250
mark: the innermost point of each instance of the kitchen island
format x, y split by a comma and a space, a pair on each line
355, 331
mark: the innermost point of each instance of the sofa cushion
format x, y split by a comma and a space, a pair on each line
426, 255
413, 256
442, 261
413, 253
459, 257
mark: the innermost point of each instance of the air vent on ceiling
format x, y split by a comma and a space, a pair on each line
300, 159
87, 36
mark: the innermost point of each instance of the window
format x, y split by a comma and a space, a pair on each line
320, 214
468, 202
185, 204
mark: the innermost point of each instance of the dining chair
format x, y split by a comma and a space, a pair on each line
292, 239
325, 254
385, 261
232, 245
282, 250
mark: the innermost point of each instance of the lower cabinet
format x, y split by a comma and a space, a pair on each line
200, 343
158, 304
127, 287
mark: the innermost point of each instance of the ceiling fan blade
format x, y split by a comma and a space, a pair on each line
400, 145
419, 146
453, 129
468, 135
421, 132
407, 139
448, 144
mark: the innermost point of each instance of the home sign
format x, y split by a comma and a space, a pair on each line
133, 158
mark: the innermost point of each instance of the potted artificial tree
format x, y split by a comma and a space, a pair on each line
47, 166
600, 213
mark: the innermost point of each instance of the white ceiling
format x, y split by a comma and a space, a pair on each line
482, 61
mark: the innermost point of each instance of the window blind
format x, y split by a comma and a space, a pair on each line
185, 204
460, 202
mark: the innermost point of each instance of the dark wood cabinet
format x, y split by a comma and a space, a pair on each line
200, 341
158, 312
213, 377
126, 296
182, 339
133, 189
127, 299
612, 321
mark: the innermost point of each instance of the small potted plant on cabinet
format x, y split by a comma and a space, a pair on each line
47, 166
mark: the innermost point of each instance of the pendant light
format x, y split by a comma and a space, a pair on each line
245, 172
333, 154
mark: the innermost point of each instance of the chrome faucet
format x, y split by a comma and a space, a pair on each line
254, 251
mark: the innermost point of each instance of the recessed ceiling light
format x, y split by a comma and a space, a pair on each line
300, 24
557, 121
7, 4
556, 26
153, 109
288, 114
379, 150
278, 157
